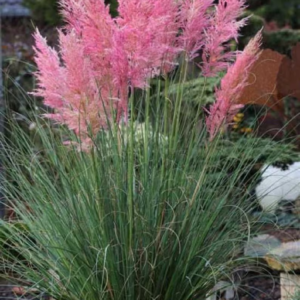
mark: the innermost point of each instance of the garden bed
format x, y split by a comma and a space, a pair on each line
255, 286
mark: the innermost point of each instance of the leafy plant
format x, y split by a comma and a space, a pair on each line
113, 7
283, 12
296, 296
282, 40
255, 23
280, 33
44, 11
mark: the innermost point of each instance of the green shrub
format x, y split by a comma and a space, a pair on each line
283, 12
255, 23
281, 40
113, 7
44, 11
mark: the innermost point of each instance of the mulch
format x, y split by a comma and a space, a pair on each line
257, 286
9, 291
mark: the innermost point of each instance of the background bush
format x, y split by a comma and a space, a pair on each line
44, 12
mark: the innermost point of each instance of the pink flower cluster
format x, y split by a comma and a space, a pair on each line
100, 58
223, 110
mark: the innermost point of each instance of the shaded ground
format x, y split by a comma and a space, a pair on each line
260, 287
253, 287
12, 292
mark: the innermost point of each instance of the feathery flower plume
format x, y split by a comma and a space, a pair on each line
94, 27
194, 19
103, 58
50, 75
223, 110
71, 89
223, 28
146, 33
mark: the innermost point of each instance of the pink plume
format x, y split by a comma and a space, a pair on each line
145, 36
51, 77
223, 28
223, 110
194, 19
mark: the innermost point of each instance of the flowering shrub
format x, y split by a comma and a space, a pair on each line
102, 59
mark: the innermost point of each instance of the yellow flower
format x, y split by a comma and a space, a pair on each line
235, 126
240, 115
237, 119
246, 130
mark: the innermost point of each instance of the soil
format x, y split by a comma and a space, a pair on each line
257, 286
9, 291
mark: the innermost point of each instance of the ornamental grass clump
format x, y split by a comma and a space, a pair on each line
114, 209
133, 219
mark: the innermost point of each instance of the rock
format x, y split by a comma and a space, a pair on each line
289, 285
222, 287
262, 244
285, 257
279, 256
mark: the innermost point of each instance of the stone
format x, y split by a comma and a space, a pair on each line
289, 285
285, 257
262, 244
222, 287
279, 256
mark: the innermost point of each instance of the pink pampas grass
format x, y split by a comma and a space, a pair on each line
223, 110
